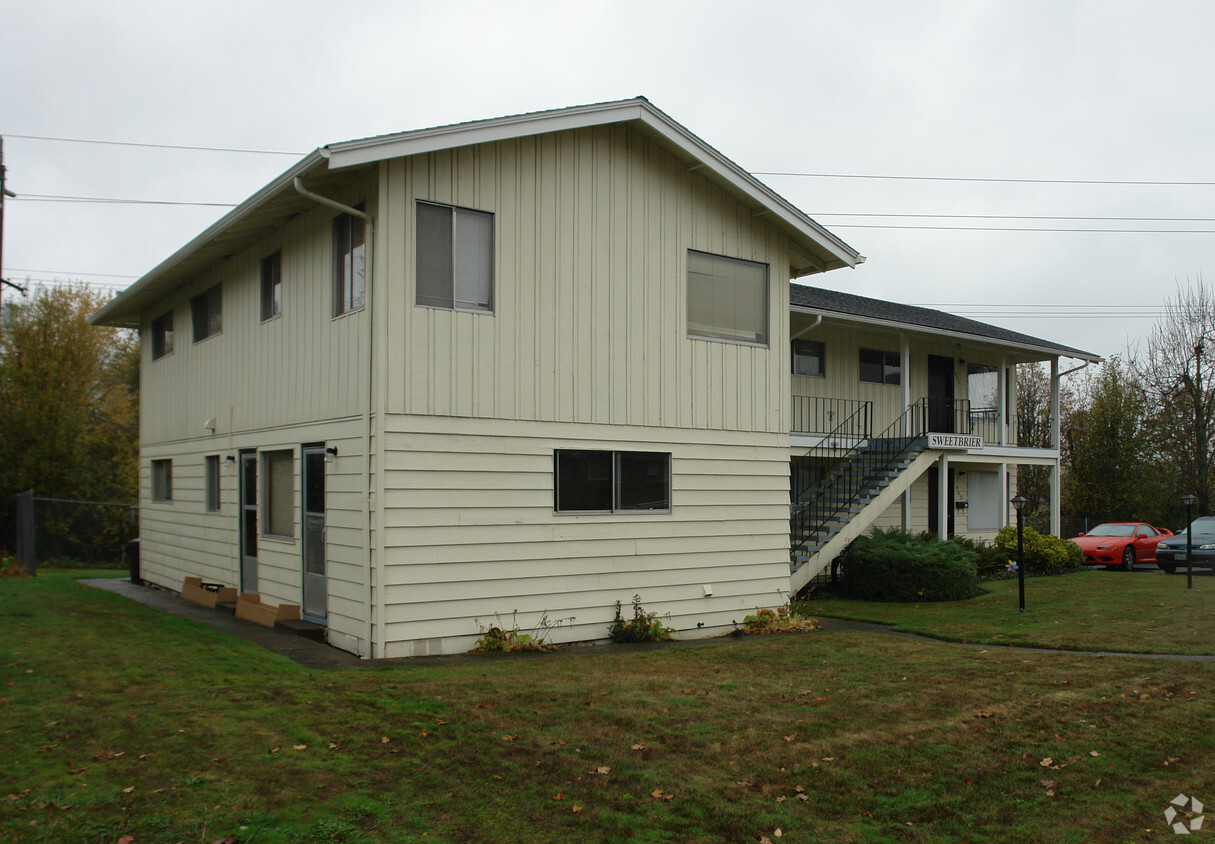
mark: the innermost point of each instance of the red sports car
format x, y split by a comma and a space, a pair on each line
1121, 544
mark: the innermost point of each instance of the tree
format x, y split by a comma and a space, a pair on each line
70, 397
1033, 429
1177, 372
1107, 455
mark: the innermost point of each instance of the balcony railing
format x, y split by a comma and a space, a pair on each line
847, 418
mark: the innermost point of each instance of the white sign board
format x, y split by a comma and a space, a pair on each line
966, 441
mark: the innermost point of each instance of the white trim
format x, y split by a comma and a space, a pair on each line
942, 332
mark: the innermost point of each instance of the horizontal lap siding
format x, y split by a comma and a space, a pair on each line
180, 539
470, 532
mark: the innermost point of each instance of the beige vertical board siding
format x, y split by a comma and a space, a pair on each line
590, 290
471, 532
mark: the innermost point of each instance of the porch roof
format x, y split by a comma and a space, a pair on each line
815, 300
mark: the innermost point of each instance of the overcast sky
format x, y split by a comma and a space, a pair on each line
969, 91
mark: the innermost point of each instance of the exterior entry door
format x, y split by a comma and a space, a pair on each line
248, 521
315, 591
940, 395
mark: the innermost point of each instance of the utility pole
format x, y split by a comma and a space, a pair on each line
5, 193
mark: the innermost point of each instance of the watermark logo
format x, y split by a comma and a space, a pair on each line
1194, 813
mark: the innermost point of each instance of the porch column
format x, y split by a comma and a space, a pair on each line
943, 502
1002, 400
1054, 498
1002, 481
1054, 443
905, 378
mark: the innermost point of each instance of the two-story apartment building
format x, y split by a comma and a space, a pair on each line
539, 363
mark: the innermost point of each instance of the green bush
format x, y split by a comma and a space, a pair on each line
1044, 554
893, 565
991, 560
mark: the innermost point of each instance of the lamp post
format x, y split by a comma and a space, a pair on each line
1189, 500
1018, 504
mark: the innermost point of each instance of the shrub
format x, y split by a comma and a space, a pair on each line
893, 565
780, 620
991, 561
643, 627
1044, 554
496, 639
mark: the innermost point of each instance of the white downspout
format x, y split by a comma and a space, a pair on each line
369, 287
818, 320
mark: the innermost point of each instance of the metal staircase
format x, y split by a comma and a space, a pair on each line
871, 474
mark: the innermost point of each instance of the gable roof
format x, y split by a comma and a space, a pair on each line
815, 300
813, 248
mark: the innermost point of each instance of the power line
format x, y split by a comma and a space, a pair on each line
67, 272
41, 197
151, 146
1149, 183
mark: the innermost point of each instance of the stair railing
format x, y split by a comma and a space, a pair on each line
862, 465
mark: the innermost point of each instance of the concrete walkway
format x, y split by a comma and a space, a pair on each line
303, 651
319, 655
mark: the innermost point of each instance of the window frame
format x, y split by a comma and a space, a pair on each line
453, 265
821, 356
211, 483
723, 333
162, 335
618, 463
162, 480
269, 489
272, 285
346, 246
888, 369
207, 312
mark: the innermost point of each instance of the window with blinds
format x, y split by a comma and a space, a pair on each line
727, 299
455, 258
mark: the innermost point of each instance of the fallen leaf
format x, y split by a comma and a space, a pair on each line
638, 746
576, 809
828, 758
982, 713
1048, 783
299, 747
781, 799
602, 770
805, 797
1047, 762
558, 796
776, 833
791, 737
384, 740
128, 789
510, 738
1093, 753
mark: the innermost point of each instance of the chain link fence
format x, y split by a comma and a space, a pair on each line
63, 532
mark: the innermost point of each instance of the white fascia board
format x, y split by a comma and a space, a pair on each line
940, 332
353, 153
118, 304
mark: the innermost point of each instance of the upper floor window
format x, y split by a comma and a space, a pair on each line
879, 367
727, 299
207, 312
272, 285
808, 357
455, 258
162, 335
349, 264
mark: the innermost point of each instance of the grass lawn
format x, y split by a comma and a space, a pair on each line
118, 723
1088, 610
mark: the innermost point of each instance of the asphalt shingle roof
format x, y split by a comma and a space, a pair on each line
847, 304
